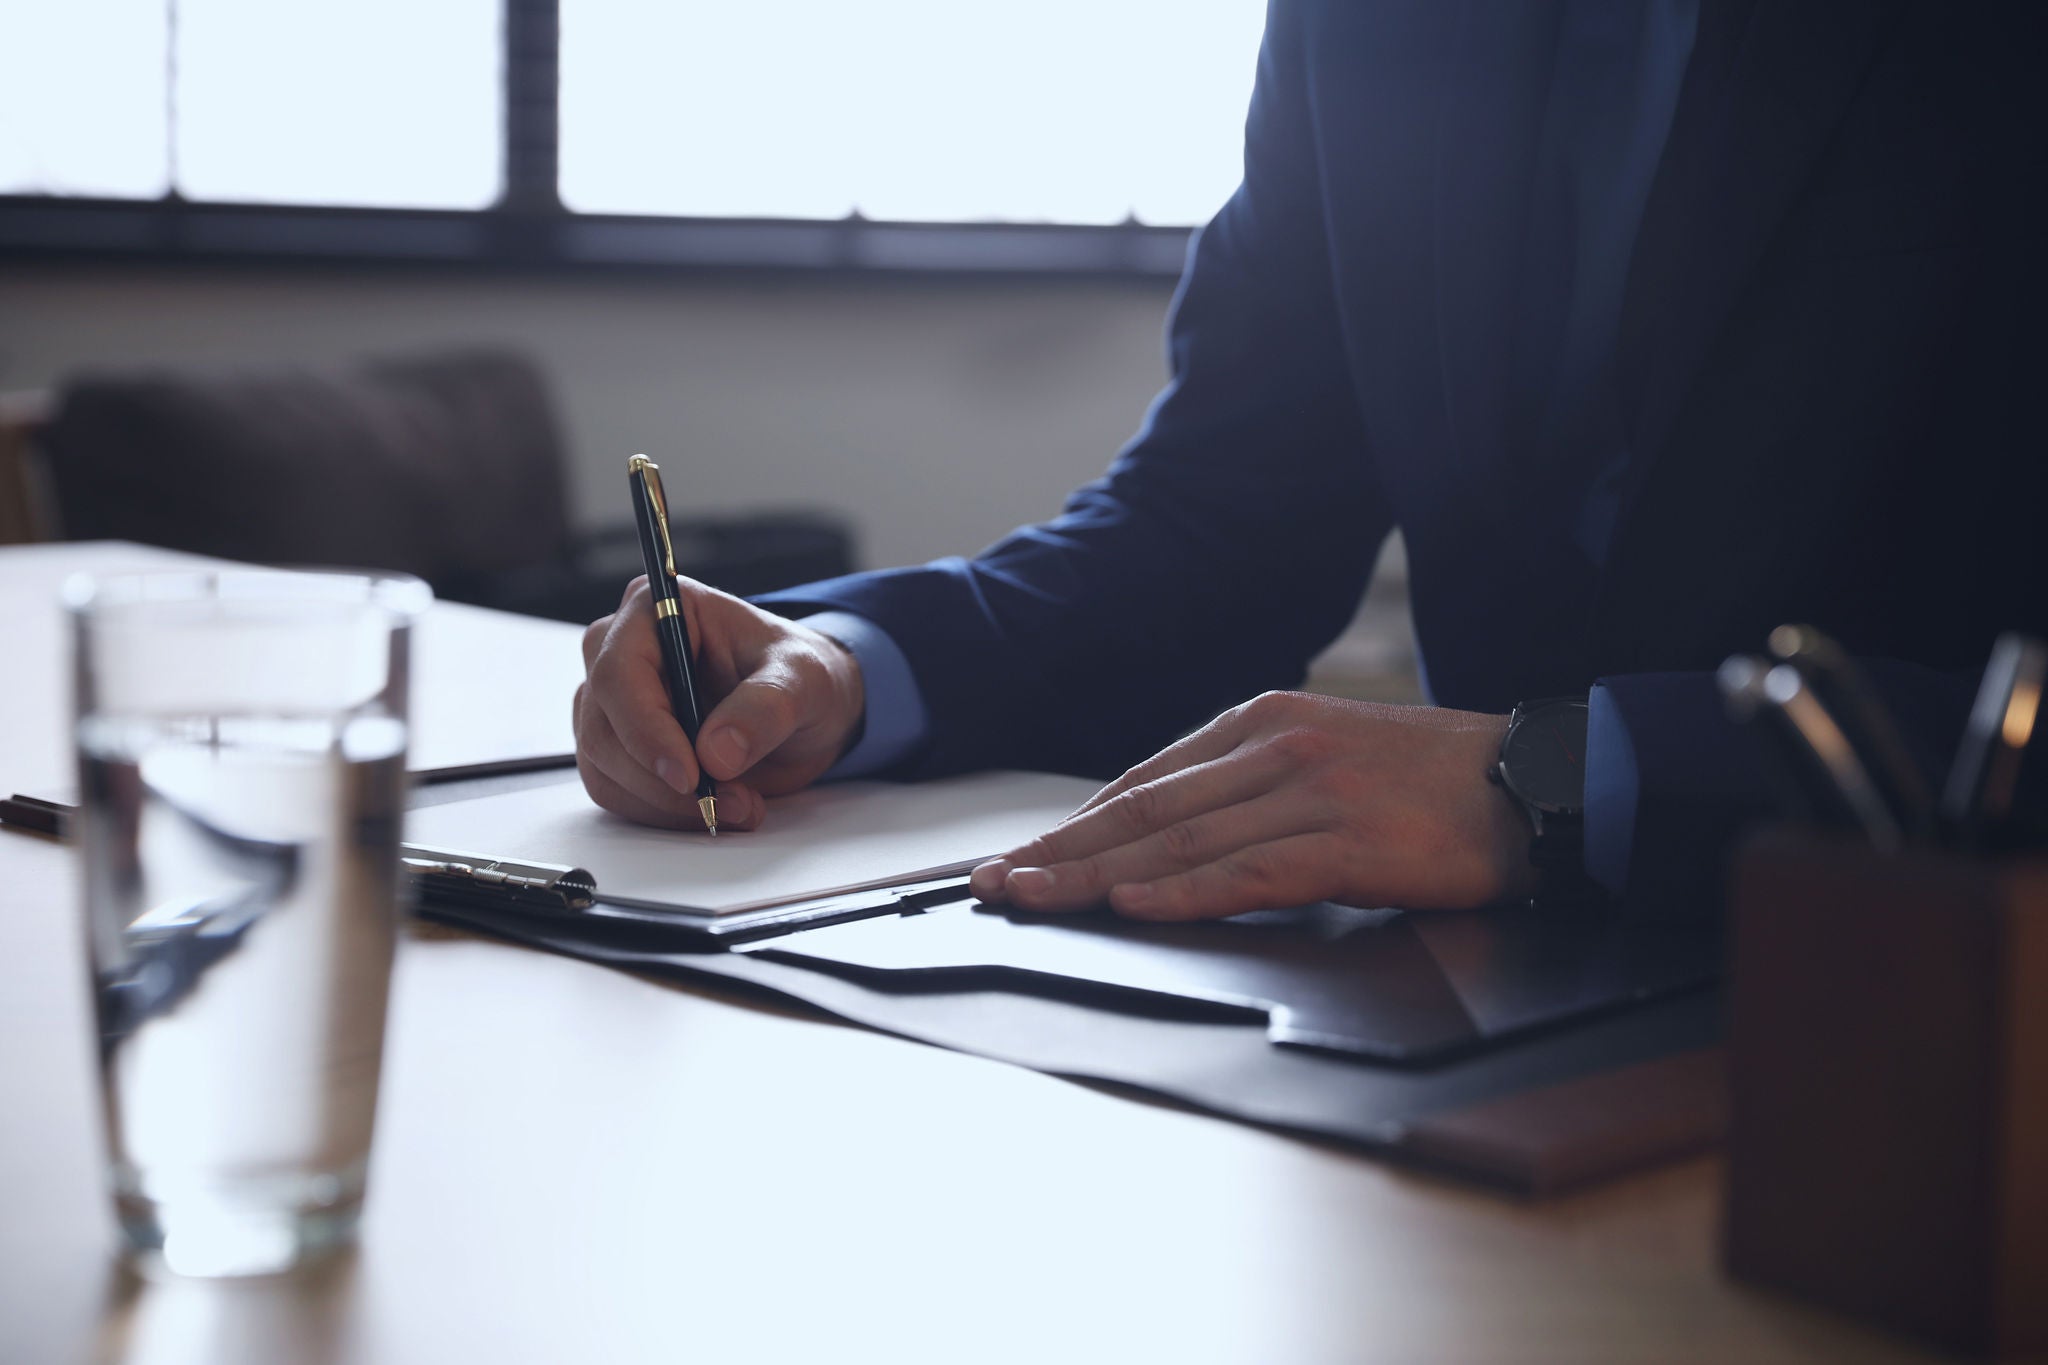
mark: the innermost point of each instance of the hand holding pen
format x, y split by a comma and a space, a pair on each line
778, 702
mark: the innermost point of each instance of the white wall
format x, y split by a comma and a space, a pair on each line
933, 414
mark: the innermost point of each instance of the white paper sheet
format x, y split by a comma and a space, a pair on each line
830, 840
491, 688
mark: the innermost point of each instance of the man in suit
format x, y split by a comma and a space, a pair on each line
1651, 324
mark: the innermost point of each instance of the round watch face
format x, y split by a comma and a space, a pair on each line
1543, 760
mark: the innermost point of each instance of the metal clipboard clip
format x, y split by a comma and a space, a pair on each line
444, 874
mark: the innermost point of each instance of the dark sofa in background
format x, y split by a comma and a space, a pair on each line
449, 466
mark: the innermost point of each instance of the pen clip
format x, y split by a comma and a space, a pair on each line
650, 475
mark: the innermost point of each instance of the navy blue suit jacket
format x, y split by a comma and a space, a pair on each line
1831, 370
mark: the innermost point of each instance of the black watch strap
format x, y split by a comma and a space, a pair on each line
1557, 850
1541, 767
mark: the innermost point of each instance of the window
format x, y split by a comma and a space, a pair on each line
82, 98
387, 103
1056, 111
646, 117
381, 102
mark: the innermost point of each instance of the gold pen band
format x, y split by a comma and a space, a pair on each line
664, 607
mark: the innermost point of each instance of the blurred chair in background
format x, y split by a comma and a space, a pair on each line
448, 466
25, 510
445, 467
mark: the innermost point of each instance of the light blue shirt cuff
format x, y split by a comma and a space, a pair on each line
1613, 787
896, 720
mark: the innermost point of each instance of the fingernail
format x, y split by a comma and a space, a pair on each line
1132, 895
987, 880
671, 772
1030, 881
725, 750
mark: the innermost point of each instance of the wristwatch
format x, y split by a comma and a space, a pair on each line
1543, 766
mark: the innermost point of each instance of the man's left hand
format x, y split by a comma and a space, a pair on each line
1287, 800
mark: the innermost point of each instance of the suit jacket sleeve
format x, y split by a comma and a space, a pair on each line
1228, 542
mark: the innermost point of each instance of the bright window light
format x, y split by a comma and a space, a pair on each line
1060, 111
394, 103
82, 107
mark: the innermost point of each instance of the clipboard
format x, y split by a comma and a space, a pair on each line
857, 847
542, 848
567, 900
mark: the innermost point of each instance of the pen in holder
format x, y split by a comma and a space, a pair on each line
1888, 1039
1888, 1036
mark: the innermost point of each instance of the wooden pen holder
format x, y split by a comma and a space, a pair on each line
1888, 1049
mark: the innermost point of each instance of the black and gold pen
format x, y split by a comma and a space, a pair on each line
671, 629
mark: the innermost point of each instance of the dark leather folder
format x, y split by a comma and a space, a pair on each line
1556, 1100
1376, 985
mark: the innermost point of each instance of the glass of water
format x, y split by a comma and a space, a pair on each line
241, 745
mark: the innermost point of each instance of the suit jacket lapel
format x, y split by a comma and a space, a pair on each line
1767, 87
1488, 123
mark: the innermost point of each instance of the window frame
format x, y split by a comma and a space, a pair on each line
529, 228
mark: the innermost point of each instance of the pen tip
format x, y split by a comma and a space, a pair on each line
707, 806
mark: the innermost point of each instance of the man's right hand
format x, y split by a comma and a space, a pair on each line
784, 703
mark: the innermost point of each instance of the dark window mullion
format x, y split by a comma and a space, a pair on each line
533, 46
